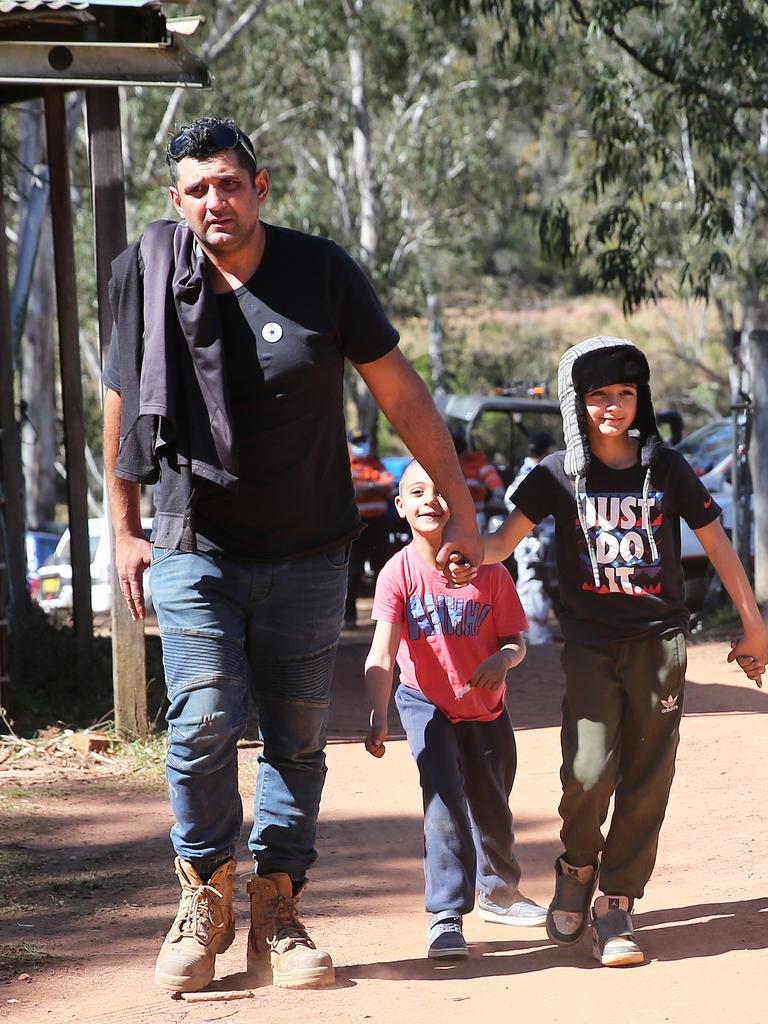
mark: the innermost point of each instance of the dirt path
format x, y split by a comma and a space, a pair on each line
88, 888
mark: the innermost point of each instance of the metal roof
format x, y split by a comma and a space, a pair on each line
78, 44
6, 7
469, 407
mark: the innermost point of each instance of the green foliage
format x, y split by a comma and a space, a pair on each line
675, 95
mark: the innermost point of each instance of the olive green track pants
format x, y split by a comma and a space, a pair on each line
620, 730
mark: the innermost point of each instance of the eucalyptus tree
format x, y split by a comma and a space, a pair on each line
675, 182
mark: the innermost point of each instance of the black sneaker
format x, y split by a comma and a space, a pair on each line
445, 939
568, 912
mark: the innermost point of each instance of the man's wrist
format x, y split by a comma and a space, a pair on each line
126, 532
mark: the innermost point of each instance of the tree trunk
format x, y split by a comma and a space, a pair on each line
36, 348
434, 301
369, 212
38, 430
756, 332
361, 145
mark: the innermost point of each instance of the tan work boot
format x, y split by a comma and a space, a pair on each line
204, 926
278, 940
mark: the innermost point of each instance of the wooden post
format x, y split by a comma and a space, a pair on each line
758, 455
69, 357
13, 571
108, 192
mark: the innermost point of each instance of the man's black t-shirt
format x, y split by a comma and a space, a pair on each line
286, 334
639, 594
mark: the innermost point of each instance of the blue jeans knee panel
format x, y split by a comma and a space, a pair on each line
305, 679
205, 678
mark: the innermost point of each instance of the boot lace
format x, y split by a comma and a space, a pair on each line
199, 911
289, 931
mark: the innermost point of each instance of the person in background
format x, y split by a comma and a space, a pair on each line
528, 553
482, 477
374, 492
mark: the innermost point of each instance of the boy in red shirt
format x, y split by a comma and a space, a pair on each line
454, 649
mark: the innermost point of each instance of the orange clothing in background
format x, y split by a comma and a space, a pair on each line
373, 485
481, 476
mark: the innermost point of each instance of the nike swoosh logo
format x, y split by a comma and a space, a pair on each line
707, 503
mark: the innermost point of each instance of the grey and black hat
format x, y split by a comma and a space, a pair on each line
585, 367
593, 364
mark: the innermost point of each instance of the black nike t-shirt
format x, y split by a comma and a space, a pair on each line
640, 589
287, 333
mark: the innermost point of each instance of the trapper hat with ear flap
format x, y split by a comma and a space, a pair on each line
593, 364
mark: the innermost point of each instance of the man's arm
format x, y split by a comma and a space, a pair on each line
404, 399
379, 667
132, 549
751, 650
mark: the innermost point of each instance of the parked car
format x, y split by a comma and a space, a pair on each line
702, 585
708, 446
53, 590
38, 545
500, 425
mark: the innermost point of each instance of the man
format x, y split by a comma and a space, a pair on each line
224, 380
374, 491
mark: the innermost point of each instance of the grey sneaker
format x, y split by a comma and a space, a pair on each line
445, 939
613, 937
569, 910
519, 912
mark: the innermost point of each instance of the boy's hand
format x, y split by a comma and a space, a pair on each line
751, 655
458, 571
377, 733
491, 673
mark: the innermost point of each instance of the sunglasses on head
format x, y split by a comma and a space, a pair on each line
221, 137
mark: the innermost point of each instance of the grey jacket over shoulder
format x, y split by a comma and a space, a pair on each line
175, 407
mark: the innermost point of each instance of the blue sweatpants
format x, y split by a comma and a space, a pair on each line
466, 771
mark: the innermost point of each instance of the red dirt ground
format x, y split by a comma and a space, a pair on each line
703, 922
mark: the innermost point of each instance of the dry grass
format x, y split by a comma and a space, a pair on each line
528, 343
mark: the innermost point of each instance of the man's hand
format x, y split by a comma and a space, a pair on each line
750, 654
491, 673
132, 557
377, 733
462, 540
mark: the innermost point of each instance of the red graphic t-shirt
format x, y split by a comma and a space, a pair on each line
448, 632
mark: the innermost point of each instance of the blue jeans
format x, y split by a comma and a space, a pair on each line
226, 625
466, 771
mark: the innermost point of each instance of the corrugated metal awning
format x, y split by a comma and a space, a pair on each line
6, 7
79, 44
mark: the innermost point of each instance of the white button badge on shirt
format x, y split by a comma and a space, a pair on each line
272, 332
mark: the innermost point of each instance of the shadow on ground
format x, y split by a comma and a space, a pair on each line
679, 933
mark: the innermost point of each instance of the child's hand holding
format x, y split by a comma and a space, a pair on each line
458, 571
750, 653
377, 733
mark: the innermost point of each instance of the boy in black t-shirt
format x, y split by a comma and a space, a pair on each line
617, 495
